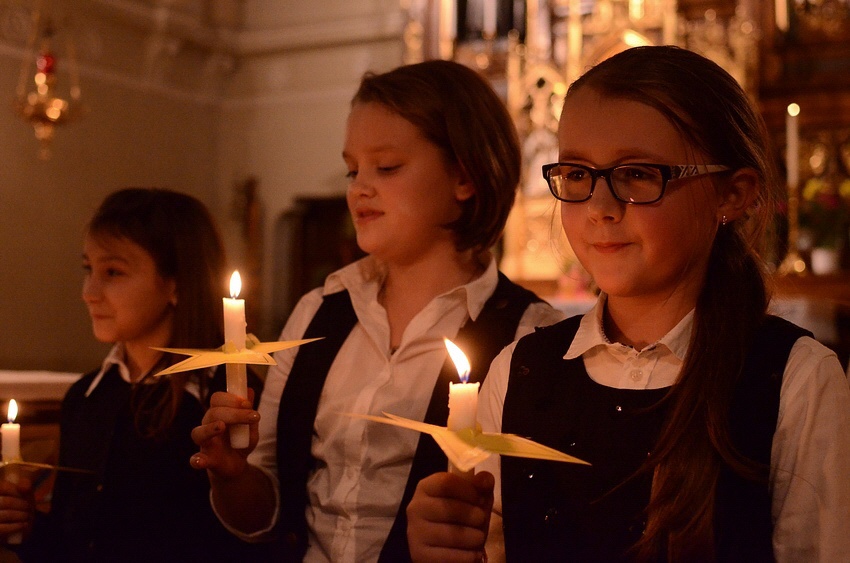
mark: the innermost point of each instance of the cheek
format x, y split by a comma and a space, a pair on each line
572, 217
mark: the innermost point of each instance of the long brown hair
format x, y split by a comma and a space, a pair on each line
714, 114
179, 233
456, 109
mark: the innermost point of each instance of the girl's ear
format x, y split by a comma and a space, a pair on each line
740, 193
172, 292
464, 189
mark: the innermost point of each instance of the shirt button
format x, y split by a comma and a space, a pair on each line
636, 375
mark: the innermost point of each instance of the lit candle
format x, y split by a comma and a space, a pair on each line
792, 147
235, 335
463, 397
11, 433
489, 26
11, 436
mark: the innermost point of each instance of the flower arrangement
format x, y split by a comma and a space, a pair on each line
825, 212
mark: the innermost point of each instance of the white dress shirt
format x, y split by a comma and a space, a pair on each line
362, 467
810, 457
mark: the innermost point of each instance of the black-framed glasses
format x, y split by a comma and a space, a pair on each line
636, 183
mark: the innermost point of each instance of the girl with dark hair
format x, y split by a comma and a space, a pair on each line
433, 166
154, 267
716, 432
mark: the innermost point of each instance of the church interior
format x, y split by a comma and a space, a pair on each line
242, 103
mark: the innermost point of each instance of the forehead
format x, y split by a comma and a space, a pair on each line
374, 127
604, 129
111, 248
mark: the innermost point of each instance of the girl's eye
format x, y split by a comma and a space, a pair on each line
352, 174
113, 272
389, 169
87, 268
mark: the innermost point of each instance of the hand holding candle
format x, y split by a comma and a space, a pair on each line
11, 436
235, 335
463, 398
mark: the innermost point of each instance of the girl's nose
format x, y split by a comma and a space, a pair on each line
91, 289
602, 205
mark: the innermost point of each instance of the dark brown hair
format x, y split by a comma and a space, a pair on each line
714, 114
180, 235
456, 109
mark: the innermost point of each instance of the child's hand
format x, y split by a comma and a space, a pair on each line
448, 518
214, 440
17, 508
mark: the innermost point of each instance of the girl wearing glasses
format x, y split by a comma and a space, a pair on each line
716, 432
433, 165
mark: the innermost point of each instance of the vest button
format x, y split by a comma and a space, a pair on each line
551, 516
522, 370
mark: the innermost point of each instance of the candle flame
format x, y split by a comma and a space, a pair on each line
235, 284
793, 110
12, 411
459, 359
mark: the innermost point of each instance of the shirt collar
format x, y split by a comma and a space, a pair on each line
591, 334
115, 357
363, 280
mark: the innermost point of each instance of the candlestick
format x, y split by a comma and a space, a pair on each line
235, 335
463, 398
11, 436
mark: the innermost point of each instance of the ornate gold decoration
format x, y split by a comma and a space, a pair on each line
43, 107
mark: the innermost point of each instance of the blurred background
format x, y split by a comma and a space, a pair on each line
242, 103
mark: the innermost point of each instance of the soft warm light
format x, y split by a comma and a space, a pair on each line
235, 284
459, 359
12, 411
793, 110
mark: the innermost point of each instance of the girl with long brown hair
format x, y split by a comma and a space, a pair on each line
716, 432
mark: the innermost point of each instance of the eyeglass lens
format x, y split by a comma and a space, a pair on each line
630, 183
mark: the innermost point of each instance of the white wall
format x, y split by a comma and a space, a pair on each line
173, 102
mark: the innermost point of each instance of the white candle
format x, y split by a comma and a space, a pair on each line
463, 397
235, 335
489, 25
11, 434
792, 146
11, 437
781, 7
448, 28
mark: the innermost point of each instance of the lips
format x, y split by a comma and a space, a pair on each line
365, 214
609, 247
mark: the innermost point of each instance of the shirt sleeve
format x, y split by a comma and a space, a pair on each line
264, 456
490, 405
810, 459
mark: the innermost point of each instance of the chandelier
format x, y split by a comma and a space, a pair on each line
43, 107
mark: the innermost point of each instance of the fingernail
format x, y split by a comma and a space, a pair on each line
254, 416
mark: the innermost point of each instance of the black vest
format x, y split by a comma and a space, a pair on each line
482, 340
564, 512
